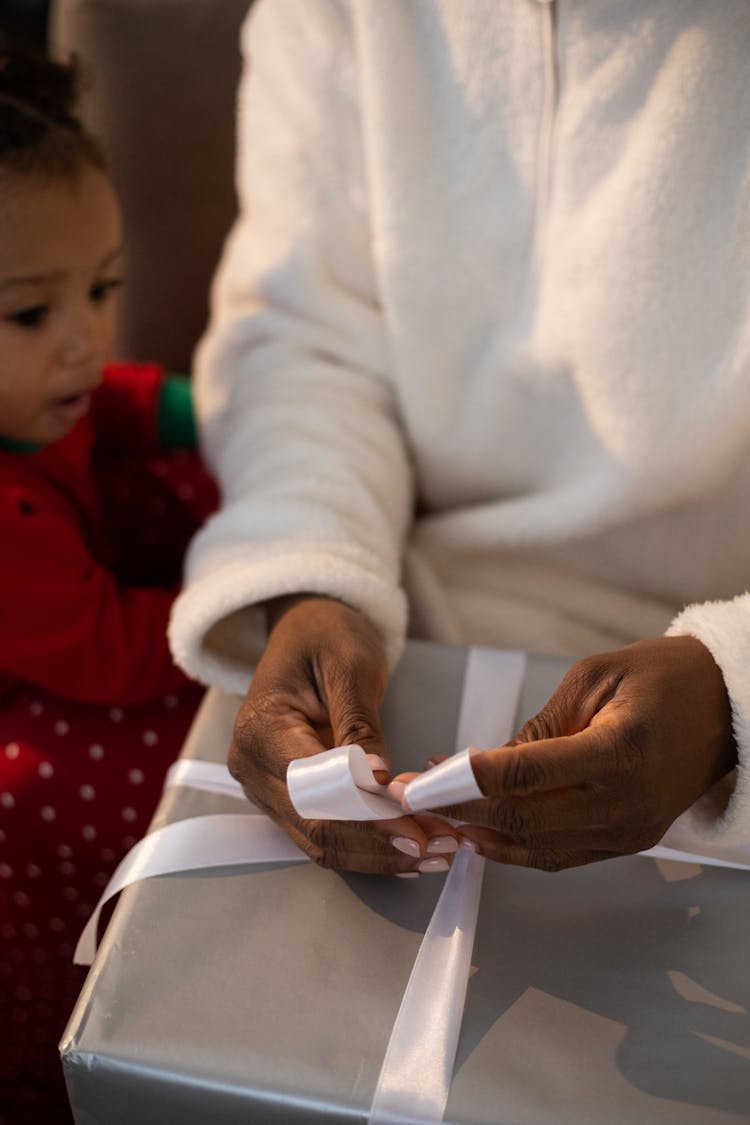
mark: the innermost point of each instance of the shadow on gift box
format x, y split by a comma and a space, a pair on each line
610, 962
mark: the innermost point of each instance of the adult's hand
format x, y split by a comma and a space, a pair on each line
319, 684
629, 740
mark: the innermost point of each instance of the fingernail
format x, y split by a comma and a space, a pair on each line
442, 844
430, 764
469, 845
436, 864
404, 844
376, 762
396, 790
407, 874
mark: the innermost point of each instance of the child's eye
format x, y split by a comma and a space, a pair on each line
103, 289
28, 318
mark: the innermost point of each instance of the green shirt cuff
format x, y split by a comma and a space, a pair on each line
175, 416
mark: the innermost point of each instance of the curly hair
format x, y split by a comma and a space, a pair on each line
40, 130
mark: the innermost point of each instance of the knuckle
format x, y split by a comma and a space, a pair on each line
355, 722
588, 686
630, 748
585, 687
309, 848
250, 724
635, 827
344, 677
648, 831
646, 839
256, 739
244, 768
546, 859
356, 728
540, 726
522, 772
236, 763
327, 839
513, 820
319, 833
585, 676
242, 761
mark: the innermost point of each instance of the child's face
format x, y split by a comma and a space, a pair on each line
59, 269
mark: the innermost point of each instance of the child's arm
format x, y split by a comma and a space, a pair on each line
66, 624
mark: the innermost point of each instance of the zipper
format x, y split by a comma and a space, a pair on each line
551, 81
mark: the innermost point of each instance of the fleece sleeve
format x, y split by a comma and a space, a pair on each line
66, 625
723, 813
293, 382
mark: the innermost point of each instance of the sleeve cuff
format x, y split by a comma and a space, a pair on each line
723, 813
217, 629
175, 416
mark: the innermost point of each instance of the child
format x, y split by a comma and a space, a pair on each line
95, 513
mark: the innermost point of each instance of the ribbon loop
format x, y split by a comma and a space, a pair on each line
338, 784
450, 783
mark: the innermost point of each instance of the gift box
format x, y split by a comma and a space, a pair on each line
267, 993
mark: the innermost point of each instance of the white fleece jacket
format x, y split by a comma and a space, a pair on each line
481, 333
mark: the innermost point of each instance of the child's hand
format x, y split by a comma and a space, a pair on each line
319, 684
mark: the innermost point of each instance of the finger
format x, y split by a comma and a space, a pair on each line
353, 695
418, 838
541, 814
380, 769
440, 835
430, 764
331, 842
586, 758
372, 847
549, 859
525, 817
339, 846
397, 787
259, 775
585, 689
490, 841
550, 855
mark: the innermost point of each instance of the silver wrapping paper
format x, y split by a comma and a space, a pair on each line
617, 992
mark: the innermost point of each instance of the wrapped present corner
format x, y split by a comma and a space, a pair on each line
268, 993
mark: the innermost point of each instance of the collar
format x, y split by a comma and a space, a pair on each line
12, 446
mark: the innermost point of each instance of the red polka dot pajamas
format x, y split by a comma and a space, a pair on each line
92, 708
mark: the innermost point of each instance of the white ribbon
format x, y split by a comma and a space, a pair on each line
338, 784
449, 783
415, 1078
218, 840
211, 777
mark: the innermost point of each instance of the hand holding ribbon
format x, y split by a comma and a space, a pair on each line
319, 683
628, 741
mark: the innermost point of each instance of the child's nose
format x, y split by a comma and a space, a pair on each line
83, 339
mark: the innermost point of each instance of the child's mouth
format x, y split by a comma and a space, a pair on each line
72, 407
